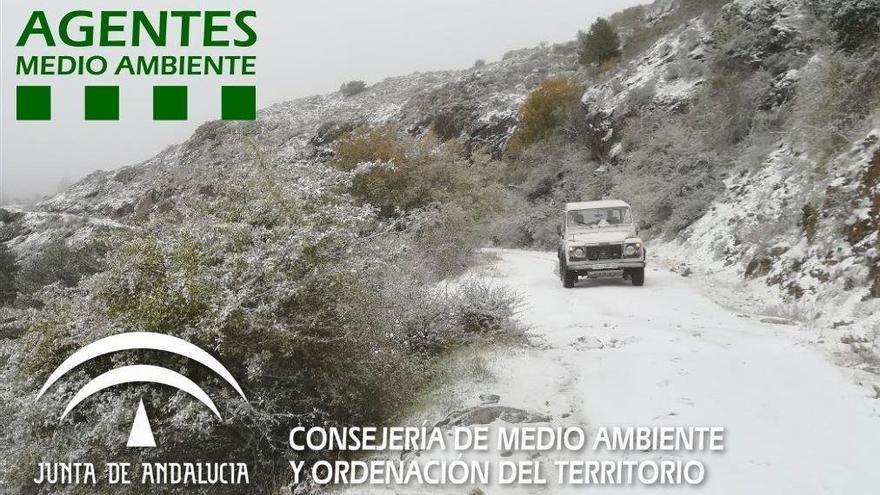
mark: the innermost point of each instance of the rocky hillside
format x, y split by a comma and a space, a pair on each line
479, 105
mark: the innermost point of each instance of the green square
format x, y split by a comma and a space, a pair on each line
169, 102
238, 102
102, 102
33, 103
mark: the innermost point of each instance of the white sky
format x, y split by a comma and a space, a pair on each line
303, 48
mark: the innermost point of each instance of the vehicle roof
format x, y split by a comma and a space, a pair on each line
586, 205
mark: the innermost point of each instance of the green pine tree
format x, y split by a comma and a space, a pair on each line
7, 275
598, 44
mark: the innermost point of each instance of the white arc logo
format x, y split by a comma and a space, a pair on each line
141, 432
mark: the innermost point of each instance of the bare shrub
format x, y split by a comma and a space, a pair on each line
330, 131
545, 176
637, 99
447, 238
685, 68
451, 122
726, 112
56, 262
834, 96
671, 178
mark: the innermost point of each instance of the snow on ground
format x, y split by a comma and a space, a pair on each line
609, 354
759, 218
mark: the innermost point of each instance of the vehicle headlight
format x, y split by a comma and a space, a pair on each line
632, 250
579, 252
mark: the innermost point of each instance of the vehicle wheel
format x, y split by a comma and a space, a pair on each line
638, 276
568, 278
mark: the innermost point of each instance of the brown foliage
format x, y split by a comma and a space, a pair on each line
608, 64
377, 144
809, 219
451, 194
409, 172
870, 187
758, 267
545, 110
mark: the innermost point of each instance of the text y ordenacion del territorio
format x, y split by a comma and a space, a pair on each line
608, 455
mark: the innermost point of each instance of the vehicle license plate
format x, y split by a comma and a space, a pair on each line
604, 266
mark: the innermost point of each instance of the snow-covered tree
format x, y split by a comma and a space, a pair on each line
855, 23
352, 88
598, 44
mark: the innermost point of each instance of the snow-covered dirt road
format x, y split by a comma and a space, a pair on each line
608, 353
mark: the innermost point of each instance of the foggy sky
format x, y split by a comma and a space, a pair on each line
303, 48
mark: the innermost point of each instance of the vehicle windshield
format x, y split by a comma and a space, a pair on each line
598, 217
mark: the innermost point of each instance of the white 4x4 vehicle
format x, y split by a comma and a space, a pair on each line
599, 240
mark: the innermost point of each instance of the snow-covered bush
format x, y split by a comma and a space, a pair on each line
352, 88
752, 35
56, 262
444, 196
854, 23
836, 93
671, 177
8, 270
308, 298
447, 237
470, 312
398, 173
545, 176
727, 110
685, 68
481, 308
638, 99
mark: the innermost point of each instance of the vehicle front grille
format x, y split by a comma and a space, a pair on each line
599, 253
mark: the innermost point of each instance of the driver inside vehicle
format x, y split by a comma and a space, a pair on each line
599, 217
612, 218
